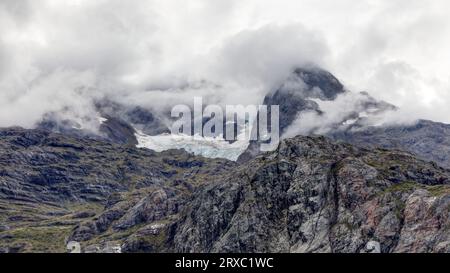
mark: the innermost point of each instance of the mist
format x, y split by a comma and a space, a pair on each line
62, 56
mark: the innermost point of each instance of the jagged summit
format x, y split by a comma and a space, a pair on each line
296, 94
322, 79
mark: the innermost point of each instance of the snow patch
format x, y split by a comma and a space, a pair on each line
101, 120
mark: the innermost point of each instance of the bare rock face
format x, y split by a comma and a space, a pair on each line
426, 223
310, 195
57, 188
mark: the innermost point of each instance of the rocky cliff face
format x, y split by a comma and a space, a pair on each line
50, 183
296, 94
310, 195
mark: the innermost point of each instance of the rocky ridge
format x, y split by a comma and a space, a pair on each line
310, 195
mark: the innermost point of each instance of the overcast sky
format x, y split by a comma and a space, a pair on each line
61, 55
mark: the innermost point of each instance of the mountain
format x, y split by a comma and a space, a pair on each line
427, 139
310, 195
296, 94
305, 88
360, 187
144, 128
303, 93
49, 183
117, 123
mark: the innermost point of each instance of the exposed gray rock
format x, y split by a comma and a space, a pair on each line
310, 195
373, 247
315, 196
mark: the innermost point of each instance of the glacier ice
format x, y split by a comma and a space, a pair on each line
216, 147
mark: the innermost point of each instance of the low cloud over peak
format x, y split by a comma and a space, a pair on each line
62, 56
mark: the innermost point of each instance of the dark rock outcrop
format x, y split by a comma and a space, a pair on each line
118, 131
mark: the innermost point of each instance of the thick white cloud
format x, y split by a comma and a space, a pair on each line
60, 55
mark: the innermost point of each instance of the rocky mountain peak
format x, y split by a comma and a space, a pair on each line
321, 79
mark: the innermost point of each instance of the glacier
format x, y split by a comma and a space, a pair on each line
211, 147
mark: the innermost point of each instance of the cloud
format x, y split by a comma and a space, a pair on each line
243, 68
63, 55
344, 111
64, 92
